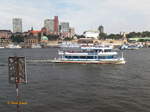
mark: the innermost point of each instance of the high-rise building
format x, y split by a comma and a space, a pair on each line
49, 25
101, 29
72, 31
65, 27
56, 25
17, 25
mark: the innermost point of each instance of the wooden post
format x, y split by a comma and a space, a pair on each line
17, 74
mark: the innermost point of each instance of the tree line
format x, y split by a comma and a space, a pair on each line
120, 36
20, 38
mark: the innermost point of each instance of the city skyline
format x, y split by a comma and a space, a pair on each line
114, 15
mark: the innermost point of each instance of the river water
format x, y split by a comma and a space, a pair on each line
78, 87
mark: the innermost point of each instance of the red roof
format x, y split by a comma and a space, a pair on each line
36, 31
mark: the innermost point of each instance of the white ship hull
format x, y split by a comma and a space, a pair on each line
89, 55
90, 61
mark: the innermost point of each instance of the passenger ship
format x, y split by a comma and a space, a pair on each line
89, 55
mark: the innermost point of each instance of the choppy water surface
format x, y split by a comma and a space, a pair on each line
79, 88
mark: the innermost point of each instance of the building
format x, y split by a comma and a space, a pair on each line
71, 32
5, 37
52, 25
17, 25
29, 41
43, 31
32, 39
91, 34
101, 29
64, 27
6, 34
56, 25
35, 33
49, 25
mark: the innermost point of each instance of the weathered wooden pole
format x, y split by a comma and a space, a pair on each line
17, 74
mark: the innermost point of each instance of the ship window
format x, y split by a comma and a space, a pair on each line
68, 57
99, 50
109, 57
105, 57
107, 50
75, 57
115, 56
101, 57
89, 57
82, 57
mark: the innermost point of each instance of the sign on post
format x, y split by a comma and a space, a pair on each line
17, 70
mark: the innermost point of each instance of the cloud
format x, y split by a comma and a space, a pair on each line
32, 14
114, 15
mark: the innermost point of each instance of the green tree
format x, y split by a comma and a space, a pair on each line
53, 37
17, 38
114, 36
102, 36
145, 34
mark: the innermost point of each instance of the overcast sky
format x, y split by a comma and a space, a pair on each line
115, 15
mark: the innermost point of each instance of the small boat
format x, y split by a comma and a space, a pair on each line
129, 47
1, 47
36, 46
12, 46
133, 47
89, 55
124, 47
